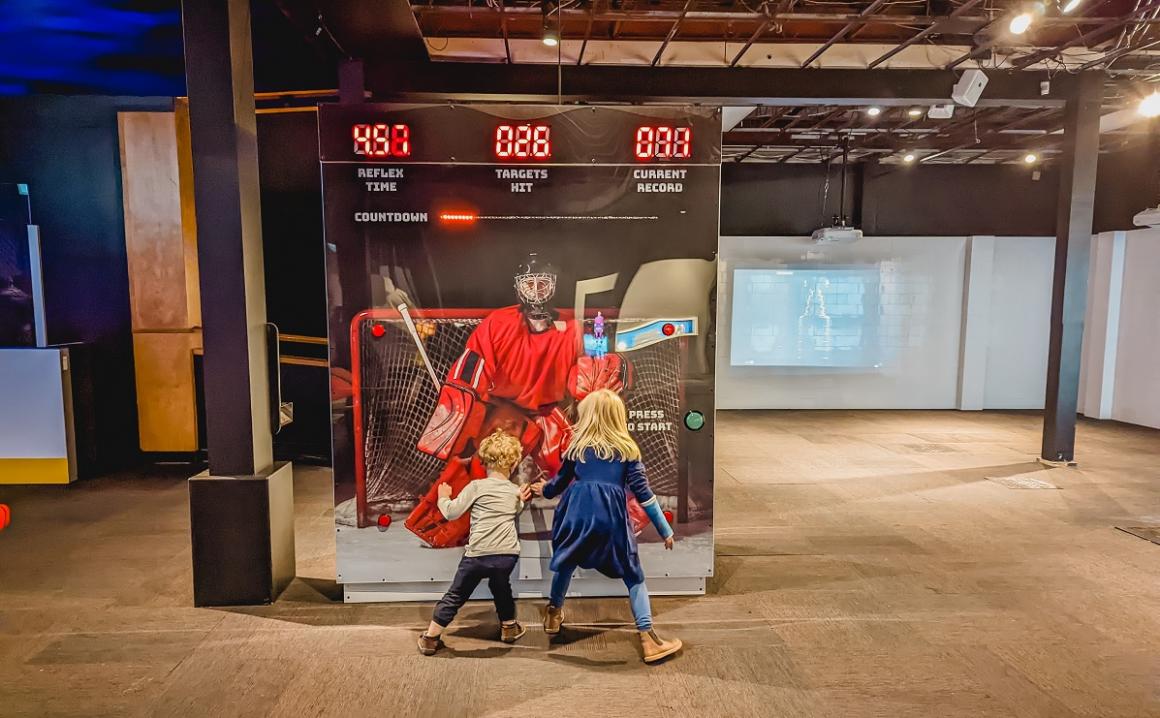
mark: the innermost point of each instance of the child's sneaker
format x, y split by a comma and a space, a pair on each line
428, 645
511, 632
553, 620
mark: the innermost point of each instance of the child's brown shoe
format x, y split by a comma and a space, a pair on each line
654, 648
511, 632
428, 645
553, 620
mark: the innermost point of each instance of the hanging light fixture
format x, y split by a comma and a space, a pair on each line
1020, 23
874, 111
1030, 158
551, 35
1069, 5
908, 157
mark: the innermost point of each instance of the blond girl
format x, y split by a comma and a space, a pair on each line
591, 528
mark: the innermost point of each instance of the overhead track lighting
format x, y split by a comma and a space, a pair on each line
1030, 158
874, 111
908, 157
915, 112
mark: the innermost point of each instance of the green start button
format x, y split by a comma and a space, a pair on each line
694, 420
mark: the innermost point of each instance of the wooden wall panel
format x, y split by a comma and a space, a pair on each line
166, 398
159, 289
161, 244
188, 212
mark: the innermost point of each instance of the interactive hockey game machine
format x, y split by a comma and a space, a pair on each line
487, 265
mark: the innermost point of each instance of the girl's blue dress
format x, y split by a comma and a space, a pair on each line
590, 528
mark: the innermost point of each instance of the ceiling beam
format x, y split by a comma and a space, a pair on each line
868, 11
507, 50
749, 43
482, 82
1140, 46
672, 32
1105, 29
668, 16
932, 29
587, 32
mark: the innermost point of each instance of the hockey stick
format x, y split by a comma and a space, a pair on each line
406, 314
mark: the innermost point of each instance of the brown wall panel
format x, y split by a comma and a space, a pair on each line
161, 247
188, 214
154, 240
166, 397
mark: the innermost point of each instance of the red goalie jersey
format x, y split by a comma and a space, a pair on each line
511, 377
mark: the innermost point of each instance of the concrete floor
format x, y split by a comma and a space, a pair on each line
865, 567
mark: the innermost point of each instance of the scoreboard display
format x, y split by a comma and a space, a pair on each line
486, 133
430, 213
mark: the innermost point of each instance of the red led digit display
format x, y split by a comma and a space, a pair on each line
523, 142
382, 140
663, 143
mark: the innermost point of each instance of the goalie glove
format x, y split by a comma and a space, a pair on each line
457, 416
611, 371
638, 518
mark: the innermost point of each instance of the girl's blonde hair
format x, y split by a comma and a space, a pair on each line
603, 427
500, 452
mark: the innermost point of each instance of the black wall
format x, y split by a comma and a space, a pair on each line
67, 150
295, 278
780, 199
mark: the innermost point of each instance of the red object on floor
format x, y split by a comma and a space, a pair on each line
669, 517
5, 516
384, 520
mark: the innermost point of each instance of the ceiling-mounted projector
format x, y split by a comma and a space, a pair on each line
838, 234
1148, 218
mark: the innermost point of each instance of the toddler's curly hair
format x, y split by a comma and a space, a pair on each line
500, 452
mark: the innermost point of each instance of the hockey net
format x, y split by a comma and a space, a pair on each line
394, 397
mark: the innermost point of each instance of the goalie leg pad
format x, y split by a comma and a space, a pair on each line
427, 521
457, 417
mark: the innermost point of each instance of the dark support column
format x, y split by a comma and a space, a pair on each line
241, 510
223, 132
1073, 236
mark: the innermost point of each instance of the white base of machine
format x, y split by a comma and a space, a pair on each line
580, 587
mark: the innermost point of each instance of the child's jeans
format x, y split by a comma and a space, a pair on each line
472, 570
637, 597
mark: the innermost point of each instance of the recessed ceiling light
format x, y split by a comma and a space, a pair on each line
874, 111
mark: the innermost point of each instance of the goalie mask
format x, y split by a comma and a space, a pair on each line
535, 283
